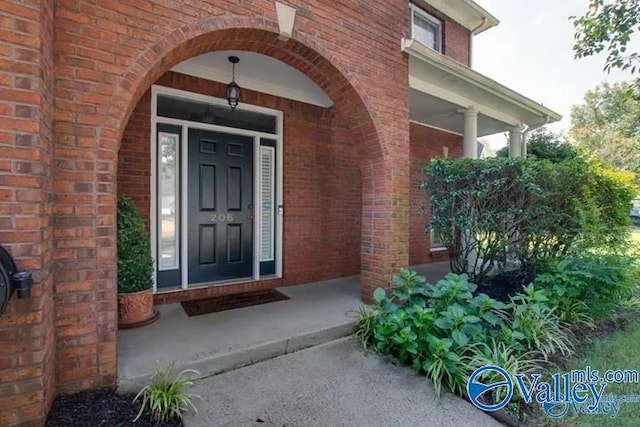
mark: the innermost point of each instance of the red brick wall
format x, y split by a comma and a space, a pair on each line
426, 143
27, 381
456, 38
134, 158
92, 71
322, 190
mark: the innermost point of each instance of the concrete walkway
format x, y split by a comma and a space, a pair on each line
316, 313
218, 342
334, 384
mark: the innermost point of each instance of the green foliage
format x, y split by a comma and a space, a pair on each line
448, 330
589, 284
489, 212
607, 126
164, 397
510, 359
432, 328
608, 25
135, 265
617, 350
535, 326
545, 145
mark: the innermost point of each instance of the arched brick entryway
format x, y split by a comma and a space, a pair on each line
378, 123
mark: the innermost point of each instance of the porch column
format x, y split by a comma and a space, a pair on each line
470, 138
516, 142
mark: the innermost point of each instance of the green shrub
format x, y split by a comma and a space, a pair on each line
489, 212
445, 330
135, 265
164, 397
602, 281
534, 326
545, 145
430, 327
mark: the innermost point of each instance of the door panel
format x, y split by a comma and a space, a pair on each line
220, 197
207, 184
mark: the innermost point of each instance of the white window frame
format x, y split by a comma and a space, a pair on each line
435, 21
432, 246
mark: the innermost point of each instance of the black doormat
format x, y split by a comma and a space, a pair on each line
229, 302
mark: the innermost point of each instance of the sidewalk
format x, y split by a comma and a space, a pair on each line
332, 385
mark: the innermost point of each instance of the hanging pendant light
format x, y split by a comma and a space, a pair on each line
233, 90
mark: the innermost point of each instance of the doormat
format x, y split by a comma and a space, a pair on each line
229, 302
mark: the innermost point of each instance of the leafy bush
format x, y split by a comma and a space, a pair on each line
135, 265
601, 280
545, 145
491, 212
429, 327
165, 398
534, 326
445, 330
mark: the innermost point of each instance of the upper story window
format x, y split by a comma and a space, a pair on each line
426, 29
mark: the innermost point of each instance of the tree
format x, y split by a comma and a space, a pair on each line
544, 144
607, 126
608, 25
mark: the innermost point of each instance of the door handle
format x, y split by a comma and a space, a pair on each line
249, 216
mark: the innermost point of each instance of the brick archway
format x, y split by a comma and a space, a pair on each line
303, 53
254, 35
92, 270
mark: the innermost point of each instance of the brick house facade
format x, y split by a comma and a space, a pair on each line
76, 96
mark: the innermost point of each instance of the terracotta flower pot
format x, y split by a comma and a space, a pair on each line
136, 309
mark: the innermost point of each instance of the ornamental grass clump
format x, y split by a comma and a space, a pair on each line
165, 398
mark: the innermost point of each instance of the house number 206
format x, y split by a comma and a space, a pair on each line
222, 217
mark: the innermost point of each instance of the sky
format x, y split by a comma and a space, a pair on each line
530, 51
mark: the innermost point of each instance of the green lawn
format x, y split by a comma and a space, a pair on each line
635, 234
620, 350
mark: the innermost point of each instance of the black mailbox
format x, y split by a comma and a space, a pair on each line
12, 280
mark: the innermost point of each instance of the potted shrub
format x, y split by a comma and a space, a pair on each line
135, 267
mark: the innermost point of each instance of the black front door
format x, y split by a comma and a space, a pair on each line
220, 197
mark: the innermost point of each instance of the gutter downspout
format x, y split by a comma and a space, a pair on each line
530, 129
472, 35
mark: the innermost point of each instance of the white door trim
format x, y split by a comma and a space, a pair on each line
184, 220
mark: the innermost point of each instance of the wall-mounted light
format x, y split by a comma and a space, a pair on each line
12, 279
233, 90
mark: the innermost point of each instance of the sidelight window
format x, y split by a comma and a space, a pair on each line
168, 197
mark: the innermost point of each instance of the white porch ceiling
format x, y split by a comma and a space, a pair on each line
436, 112
440, 87
257, 72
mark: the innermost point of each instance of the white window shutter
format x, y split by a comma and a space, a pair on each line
267, 203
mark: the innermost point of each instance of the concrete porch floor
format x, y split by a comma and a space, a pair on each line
213, 343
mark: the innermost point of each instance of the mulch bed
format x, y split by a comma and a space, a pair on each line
100, 408
229, 302
503, 286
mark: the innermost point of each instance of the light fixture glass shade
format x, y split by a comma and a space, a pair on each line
233, 94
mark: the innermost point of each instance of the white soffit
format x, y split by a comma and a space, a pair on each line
433, 73
467, 13
257, 72
440, 114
